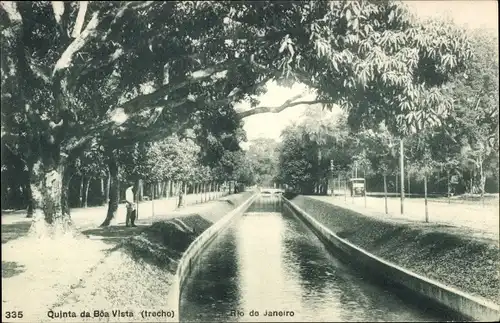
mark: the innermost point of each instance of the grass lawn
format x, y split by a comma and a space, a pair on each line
458, 256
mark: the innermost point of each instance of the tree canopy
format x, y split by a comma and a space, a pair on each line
128, 72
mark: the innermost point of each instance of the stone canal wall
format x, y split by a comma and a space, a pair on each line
159, 248
453, 299
190, 256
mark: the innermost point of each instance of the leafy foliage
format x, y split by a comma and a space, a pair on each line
130, 74
263, 159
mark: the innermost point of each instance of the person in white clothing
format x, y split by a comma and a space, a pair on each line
131, 208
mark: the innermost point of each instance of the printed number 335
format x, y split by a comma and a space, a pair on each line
14, 315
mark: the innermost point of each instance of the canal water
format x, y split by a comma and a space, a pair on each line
269, 262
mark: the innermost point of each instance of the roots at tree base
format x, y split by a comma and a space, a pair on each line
110, 219
61, 227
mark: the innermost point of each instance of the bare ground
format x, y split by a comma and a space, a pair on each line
462, 257
113, 268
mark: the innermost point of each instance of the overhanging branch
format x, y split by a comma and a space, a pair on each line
137, 103
82, 10
288, 104
149, 134
80, 74
10, 8
67, 56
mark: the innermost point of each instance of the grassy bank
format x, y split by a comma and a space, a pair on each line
468, 264
114, 268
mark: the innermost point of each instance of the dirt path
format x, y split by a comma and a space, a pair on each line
15, 225
39, 275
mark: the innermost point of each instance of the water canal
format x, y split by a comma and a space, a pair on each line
268, 261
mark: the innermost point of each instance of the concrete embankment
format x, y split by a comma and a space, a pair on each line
190, 257
457, 272
139, 275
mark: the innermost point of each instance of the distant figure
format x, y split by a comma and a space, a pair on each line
181, 195
131, 207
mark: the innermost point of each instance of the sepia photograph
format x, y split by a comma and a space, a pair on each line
250, 161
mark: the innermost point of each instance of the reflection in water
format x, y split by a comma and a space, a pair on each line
267, 260
215, 279
266, 204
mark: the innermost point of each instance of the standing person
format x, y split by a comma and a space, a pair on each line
131, 207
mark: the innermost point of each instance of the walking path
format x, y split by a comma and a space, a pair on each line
481, 219
39, 274
89, 217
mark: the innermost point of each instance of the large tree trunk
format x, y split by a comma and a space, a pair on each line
29, 193
46, 183
114, 191
140, 190
80, 192
107, 189
158, 191
101, 191
68, 174
86, 184
180, 202
29, 212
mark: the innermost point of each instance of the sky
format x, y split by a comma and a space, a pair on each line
472, 14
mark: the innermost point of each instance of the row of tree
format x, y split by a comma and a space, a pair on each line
259, 163
113, 76
462, 147
305, 162
159, 169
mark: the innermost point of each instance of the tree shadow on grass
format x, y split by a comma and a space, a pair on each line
14, 231
11, 268
114, 234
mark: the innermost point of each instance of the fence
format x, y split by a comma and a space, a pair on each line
481, 214
153, 207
